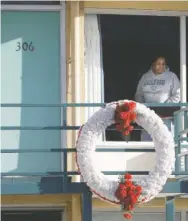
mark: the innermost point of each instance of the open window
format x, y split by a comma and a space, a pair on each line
126, 46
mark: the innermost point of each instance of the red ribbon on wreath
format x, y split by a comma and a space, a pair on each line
128, 194
124, 116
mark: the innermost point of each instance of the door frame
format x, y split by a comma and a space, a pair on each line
62, 9
182, 19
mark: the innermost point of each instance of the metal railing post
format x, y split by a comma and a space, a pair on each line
176, 127
170, 211
186, 119
87, 205
178, 159
65, 177
177, 142
186, 163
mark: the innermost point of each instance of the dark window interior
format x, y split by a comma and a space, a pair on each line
31, 216
30, 2
129, 45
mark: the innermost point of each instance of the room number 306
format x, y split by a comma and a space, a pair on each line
25, 46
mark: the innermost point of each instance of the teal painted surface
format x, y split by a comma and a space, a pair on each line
22, 186
170, 209
30, 77
186, 119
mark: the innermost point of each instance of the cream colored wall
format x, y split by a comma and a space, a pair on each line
73, 59
147, 5
73, 201
75, 76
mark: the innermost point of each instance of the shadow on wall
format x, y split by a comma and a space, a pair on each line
144, 162
124, 162
31, 75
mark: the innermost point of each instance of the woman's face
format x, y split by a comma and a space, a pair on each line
159, 66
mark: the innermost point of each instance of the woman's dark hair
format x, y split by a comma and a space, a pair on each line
158, 58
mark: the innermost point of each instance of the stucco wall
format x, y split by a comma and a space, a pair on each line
147, 5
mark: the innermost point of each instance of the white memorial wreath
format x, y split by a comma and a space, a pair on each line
87, 163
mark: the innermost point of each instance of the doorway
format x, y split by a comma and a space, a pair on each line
129, 45
30, 42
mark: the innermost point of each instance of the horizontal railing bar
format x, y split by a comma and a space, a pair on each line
104, 150
183, 154
61, 174
88, 105
38, 150
183, 139
182, 145
55, 105
37, 174
181, 110
40, 128
59, 128
62, 128
52, 128
183, 132
137, 173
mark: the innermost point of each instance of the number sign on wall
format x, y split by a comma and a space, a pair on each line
25, 46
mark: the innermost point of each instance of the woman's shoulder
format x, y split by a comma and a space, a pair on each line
170, 74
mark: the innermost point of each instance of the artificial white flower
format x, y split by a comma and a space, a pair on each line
86, 157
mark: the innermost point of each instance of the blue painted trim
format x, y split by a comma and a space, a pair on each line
172, 187
184, 186
88, 105
87, 205
39, 174
22, 188
74, 150
55, 105
186, 119
181, 110
59, 174
46, 186
40, 128
178, 159
183, 139
67, 150
186, 163
55, 185
170, 211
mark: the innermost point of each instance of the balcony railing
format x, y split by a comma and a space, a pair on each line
181, 140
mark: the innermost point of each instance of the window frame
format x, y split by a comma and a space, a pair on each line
182, 19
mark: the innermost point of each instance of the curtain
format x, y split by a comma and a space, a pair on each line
93, 64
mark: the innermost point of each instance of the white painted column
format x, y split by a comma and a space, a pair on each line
183, 71
76, 72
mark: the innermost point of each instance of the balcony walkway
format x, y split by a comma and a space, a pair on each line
60, 182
